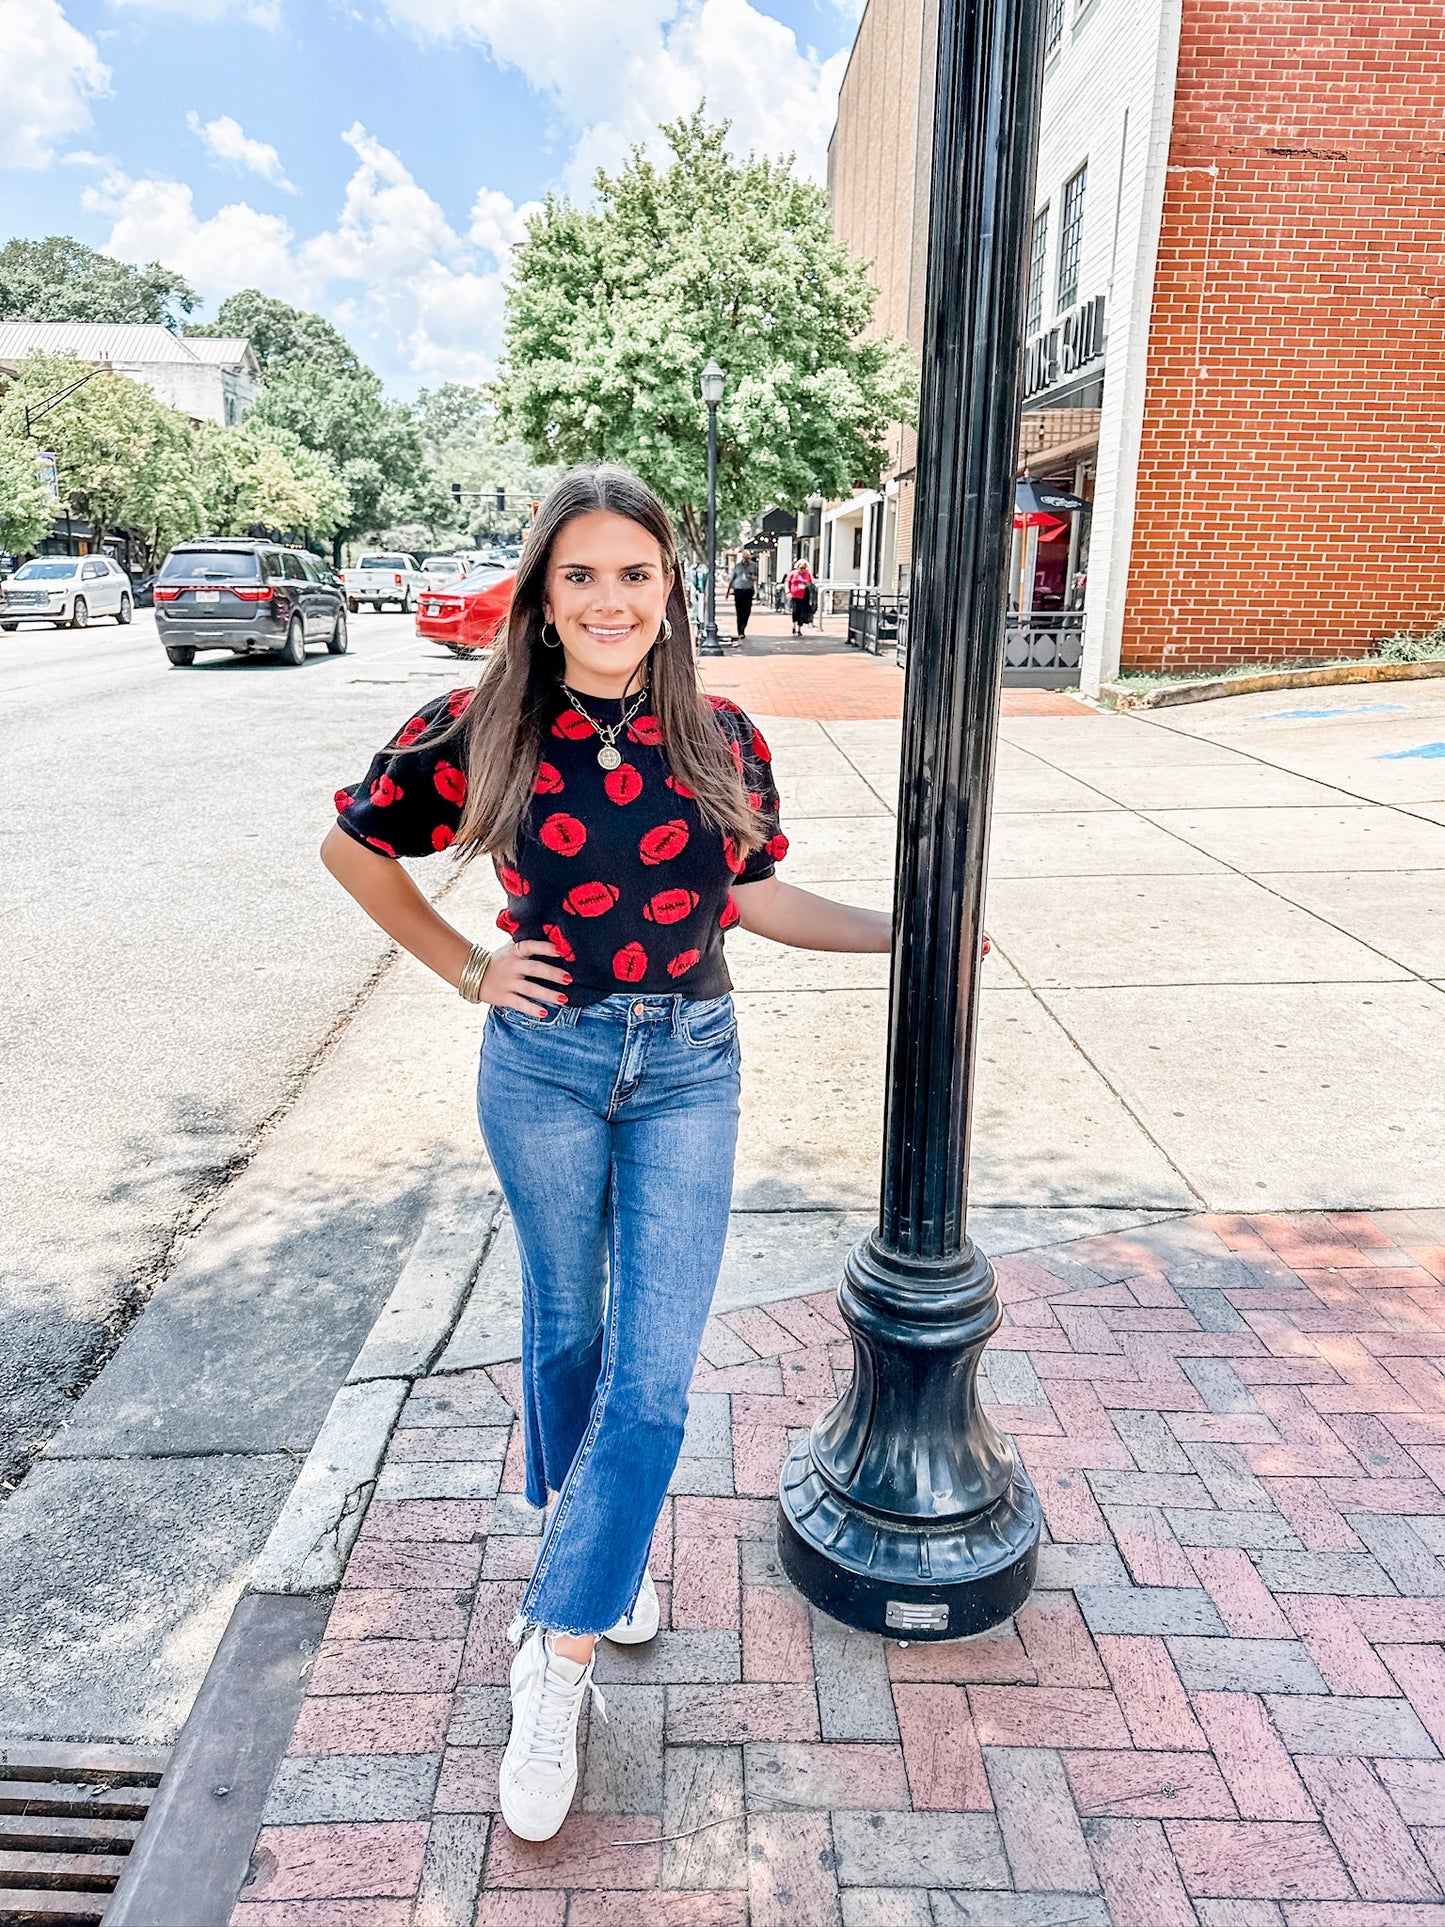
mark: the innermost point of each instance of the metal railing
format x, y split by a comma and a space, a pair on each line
876, 621
1041, 651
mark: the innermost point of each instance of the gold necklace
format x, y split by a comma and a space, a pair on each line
609, 756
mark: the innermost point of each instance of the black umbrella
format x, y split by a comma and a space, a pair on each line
1047, 498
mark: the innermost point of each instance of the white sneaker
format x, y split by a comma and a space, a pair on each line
645, 1620
539, 1767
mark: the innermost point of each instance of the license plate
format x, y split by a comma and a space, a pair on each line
432, 609
208, 595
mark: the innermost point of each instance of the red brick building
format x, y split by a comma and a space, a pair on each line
1294, 413
1236, 316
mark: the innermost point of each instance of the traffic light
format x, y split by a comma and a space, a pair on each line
501, 501
457, 494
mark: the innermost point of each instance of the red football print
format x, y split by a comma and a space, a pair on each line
731, 913
377, 844
342, 800
670, 906
731, 855
559, 943
630, 964
645, 729
451, 782
443, 836
385, 790
755, 802
623, 784
459, 700
724, 702
760, 747
666, 841
506, 921
563, 833
414, 730
549, 780
573, 727
590, 899
676, 783
736, 755
513, 882
683, 962
777, 847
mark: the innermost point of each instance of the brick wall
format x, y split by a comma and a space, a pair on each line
1294, 419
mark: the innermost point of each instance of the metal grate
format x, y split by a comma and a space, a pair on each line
69, 1816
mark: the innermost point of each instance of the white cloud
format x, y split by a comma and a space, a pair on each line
227, 140
49, 74
614, 72
260, 13
392, 271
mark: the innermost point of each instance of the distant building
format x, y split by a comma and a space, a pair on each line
209, 379
1235, 311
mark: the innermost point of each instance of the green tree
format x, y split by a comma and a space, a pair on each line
59, 279
281, 334
26, 510
125, 460
374, 445
258, 477
461, 441
613, 311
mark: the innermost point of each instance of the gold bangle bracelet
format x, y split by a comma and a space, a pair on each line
473, 971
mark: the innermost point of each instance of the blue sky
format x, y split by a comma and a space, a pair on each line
375, 160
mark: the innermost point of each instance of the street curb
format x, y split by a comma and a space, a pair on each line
1172, 694
308, 1546
194, 1852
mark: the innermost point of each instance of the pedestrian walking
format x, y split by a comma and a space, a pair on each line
742, 584
632, 821
800, 589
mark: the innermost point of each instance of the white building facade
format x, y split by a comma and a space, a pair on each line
208, 379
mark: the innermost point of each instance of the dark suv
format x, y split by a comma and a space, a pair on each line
253, 598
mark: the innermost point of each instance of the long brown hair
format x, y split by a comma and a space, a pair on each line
518, 689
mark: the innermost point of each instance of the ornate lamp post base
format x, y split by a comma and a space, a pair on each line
905, 1512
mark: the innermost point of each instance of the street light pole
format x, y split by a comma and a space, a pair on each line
905, 1512
713, 381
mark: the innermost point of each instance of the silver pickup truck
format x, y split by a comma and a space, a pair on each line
384, 576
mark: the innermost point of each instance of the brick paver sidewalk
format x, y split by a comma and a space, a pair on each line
820, 677
1224, 1705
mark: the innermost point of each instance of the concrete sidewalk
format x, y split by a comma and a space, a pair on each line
1224, 1705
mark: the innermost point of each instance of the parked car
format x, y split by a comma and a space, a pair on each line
252, 598
381, 577
66, 590
441, 571
467, 616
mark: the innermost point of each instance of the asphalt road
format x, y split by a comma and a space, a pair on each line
174, 956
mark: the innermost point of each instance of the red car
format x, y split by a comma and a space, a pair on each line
466, 615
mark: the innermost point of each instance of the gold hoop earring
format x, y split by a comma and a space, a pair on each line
555, 643
666, 635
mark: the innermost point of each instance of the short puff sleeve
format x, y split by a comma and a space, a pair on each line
410, 801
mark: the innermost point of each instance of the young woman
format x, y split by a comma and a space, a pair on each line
632, 821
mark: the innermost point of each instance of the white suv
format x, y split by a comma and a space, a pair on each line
64, 589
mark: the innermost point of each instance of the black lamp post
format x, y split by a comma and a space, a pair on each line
713, 383
906, 1512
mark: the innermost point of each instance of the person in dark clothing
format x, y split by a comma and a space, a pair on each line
742, 585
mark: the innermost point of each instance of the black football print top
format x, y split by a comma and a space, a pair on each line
614, 867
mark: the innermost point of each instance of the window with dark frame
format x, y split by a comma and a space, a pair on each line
1053, 27
1038, 252
1071, 236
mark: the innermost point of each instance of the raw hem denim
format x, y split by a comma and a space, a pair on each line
613, 1130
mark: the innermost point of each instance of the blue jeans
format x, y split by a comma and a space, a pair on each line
612, 1129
